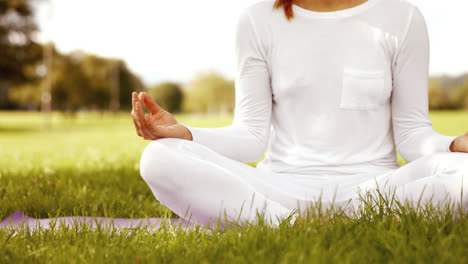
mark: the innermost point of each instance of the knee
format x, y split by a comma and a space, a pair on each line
447, 164
158, 161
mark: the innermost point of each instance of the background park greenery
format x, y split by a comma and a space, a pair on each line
82, 159
89, 165
36, 76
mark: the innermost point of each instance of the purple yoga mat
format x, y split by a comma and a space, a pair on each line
18, 218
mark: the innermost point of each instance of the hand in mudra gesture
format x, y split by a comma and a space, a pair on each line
159, 123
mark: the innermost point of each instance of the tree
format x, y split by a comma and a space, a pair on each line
19, 54
101, 73
461, 95
168, 95
210, 92
438, 97
81, 80
70, 85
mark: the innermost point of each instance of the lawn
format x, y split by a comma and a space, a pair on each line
89, 165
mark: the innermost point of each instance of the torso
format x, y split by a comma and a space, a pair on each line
331, 80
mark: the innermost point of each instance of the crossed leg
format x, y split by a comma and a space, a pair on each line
436, 178
204, 186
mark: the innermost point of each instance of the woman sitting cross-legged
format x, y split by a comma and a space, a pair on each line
332, 90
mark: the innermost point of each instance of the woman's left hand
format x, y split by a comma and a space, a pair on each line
460, 144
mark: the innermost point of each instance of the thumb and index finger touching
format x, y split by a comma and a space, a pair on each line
152, 106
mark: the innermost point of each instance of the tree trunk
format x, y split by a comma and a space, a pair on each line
3, 95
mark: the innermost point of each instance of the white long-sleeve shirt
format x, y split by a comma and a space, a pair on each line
329, 92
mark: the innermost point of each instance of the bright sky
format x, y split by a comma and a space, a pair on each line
175, 39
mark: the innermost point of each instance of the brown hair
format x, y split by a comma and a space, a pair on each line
287, 6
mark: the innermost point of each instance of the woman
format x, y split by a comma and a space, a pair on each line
330, 88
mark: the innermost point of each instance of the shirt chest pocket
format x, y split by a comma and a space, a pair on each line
364, 89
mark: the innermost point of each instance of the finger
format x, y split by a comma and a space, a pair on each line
145, 133
140, 115
136, 127
152, 106
154, 129
148, 135
151, 136
145, 136
134, 99
148, 123
142, 130
136, 120
142, 122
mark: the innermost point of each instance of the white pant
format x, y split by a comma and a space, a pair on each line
199, 184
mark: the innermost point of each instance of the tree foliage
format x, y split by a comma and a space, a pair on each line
81, 80
100, 73
210, 92
438, 97
461, 95
446, 92
19, 53
168, 95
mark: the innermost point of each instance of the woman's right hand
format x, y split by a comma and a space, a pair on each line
159, 123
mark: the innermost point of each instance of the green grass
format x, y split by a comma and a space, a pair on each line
88, 165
